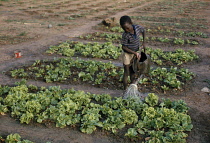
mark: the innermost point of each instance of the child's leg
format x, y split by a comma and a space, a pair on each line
125, 76
126, 63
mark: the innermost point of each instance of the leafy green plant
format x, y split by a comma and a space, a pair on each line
178, 41
131, 133
20, 72
151, 99
62, 49
12, 138
16, 138
3, 108
4, 90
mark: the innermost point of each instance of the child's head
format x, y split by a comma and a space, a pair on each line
126, 23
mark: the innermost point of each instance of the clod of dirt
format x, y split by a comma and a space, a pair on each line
110, 21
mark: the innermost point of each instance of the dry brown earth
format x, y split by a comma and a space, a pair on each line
24, 26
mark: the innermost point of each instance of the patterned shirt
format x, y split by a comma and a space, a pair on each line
132, 41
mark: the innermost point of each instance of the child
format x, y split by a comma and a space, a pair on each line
130, 45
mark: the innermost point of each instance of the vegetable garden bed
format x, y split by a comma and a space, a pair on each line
100, 74
111, 52
152, 120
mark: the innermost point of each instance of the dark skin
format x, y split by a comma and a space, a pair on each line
128, 71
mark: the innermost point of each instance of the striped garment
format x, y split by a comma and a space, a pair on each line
132, 41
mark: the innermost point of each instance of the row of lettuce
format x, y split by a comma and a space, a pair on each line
100, 74
152, 40
151, 120
108, 50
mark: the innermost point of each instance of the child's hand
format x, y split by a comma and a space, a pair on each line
138, 56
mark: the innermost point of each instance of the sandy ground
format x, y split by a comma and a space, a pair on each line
34, 22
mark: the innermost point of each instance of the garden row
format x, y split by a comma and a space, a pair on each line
110, 51
151, 120
100, 74
160, 30
115, 37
